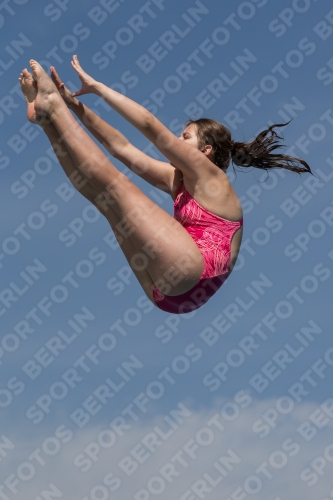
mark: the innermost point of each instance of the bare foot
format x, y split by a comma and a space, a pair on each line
65, 93
47, 98
29, 89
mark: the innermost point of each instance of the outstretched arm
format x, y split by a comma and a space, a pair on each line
159, 174
186, 158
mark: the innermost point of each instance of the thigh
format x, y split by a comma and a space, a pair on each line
133, 258
170, 255
104, 206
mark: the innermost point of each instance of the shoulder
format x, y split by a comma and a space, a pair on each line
215, 193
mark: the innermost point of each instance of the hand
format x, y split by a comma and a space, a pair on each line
86, 80
63, 90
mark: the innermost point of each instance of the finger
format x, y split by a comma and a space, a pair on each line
76, 61
57, 81
55, 74
55, 78
74, 66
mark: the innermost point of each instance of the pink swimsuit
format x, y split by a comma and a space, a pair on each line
213, 236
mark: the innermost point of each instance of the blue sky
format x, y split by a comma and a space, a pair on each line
268, 231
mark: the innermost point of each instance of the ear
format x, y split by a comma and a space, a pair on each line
207, 150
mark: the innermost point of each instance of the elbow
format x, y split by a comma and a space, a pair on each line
119, 150
116, 147
151, 129
148, 120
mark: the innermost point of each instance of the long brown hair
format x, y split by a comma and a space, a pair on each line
257, 153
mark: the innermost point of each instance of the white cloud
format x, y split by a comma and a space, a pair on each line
183, 464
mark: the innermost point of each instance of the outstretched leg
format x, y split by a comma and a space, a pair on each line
100, 202
81, 183
161, 246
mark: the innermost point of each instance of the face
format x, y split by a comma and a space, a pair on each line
190, 136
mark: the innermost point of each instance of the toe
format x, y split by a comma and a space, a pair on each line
34, 67
37, 69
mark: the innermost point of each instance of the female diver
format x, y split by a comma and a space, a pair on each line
179, 261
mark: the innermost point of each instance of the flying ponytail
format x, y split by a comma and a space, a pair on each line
258, 153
